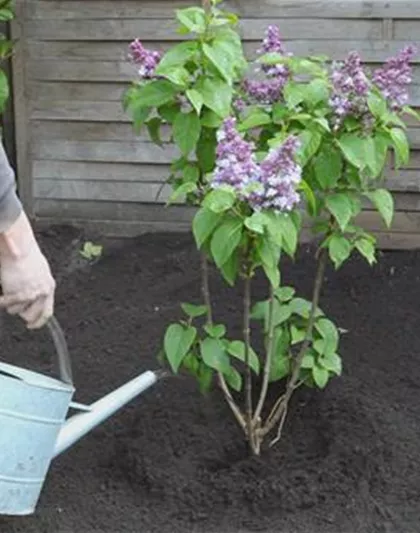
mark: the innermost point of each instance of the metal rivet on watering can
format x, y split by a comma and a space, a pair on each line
33, 410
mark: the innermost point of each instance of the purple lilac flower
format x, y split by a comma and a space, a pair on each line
395, 76
268, 91
265, 91
239, 105
280, 175
145, 60
268, 185
236, 165
272, 41
350, 88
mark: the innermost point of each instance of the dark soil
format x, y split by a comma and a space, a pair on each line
174, 461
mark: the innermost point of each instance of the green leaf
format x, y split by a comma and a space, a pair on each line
401, 146
209, 119
216, 53
284, 294
328, 166
192, 18
316, 91
153, 126
298, 334
311, 200
177, 75
269, 254
280, 112
332, 363
186, 131
281, 313
226, 239
384, 203
234, 379
169, 112
4, 90
301, 307
237, 349
196, 99
288, 232
177, 343
380, 152
219, 200
341, 207
205, 378
256, 222
217, 95
339, 249
320, 376
412, 112
153, 94
377, 105
294, 93
308, 361
194, 311
329, 333
191, 173
310, 143
140, 115
177, 56
206, 150
254, 120
182, 190
214, 355
230, 269
367, 249
216, 331
280, 363
353, 148
204, 223
259, 310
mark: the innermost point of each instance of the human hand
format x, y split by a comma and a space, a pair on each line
25, 275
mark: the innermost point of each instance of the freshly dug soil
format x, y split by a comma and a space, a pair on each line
174, 461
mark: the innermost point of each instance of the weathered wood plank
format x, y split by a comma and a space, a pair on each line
113, 210
80, 171
124, 152
101, 191
20, 105
165, 30
85, 111
88, 131
47, 91
107, 151
106, 71
407, 30
285, 8
371, 51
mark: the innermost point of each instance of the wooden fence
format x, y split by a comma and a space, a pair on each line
78, 159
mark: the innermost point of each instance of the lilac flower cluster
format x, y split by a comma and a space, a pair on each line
269, 90
350, 88
145, 60
280, 175
268, 185
394, 77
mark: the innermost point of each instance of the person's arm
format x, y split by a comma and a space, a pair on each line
26, 280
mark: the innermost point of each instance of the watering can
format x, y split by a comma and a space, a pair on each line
33, 425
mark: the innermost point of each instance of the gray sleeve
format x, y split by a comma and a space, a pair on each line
10, 205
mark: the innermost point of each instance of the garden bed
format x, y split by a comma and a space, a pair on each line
174, 461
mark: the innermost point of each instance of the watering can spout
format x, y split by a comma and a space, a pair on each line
80, 424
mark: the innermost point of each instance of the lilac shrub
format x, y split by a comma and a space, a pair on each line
260, 146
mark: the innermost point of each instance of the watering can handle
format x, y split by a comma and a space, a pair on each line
64, 361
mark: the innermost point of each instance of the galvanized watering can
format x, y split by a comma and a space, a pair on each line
33, 426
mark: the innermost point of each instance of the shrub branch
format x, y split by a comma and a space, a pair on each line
205, 289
